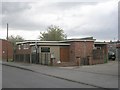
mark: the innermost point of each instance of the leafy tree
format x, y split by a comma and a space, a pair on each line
54, 33
14, 39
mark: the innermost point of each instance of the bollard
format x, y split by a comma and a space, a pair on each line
51, 61
78, 61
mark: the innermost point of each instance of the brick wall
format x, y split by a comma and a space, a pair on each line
0, 49
102, 57
23, 53
80, 49
72, 51
22, 50
7, 47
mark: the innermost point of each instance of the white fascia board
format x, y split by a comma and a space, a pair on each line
51, 44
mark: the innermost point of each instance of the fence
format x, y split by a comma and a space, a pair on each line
85, 61
34, 58
22, 58
98, 56
40, 58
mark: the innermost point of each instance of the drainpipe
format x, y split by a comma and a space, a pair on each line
36, 52
30, 54
85, 49
7, 44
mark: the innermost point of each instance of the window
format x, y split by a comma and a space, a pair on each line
26, 46
45, 49
99, 48
33, 49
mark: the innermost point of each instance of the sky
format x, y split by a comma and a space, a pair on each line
78, 18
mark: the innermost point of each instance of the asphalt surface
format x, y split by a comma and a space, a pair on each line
100, 76
0, 76
18, 78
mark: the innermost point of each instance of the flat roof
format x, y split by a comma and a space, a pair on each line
78, 40
100, 43
5, 40
50, 44
32, 41
65, 41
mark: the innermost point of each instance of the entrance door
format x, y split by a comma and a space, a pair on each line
44, 58
64, 54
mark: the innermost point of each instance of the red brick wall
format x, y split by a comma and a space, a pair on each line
104, 56
1, 49
72, 51
7, 46
80, 49
23, 51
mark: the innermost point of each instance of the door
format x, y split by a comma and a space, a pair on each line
64, 54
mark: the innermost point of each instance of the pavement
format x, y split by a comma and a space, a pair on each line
101, 76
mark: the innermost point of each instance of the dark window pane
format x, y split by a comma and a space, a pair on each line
45, 49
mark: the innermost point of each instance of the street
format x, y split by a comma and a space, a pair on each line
23, 75
18, 78
0, 76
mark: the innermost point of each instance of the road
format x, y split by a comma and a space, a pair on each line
0, 76
19, 78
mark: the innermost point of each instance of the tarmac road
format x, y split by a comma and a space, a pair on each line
0, 76
18, 78
100, 76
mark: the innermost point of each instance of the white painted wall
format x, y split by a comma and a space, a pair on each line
55, 50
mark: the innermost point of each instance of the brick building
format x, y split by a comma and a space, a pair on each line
6, 50
83, 50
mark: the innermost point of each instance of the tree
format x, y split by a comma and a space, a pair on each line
54, 33
14, 39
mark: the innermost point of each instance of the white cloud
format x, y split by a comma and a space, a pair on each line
90, 19
25, 34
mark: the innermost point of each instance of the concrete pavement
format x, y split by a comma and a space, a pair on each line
104, 75
110, 68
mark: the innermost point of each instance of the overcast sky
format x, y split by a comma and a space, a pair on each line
77, 19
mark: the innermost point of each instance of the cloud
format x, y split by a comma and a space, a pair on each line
98, 20
119, 20
84, 19
10, 7
25, 34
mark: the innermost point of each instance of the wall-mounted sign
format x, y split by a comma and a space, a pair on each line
45, 49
